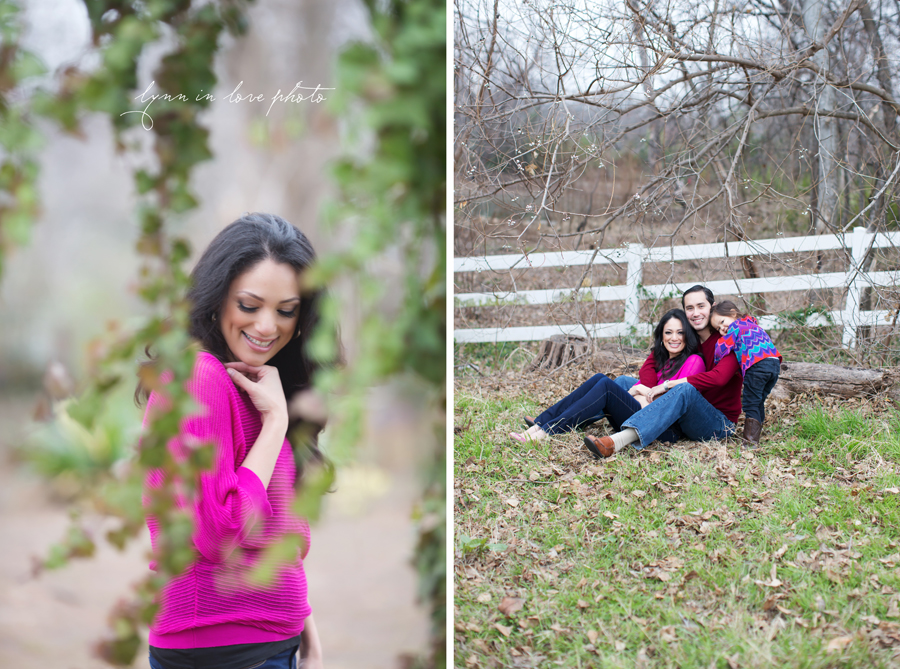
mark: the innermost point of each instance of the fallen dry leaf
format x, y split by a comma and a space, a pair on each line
582, 604
838, 643
773, 581
505, 631
512, 501
592, 636
893, 608
509, 605
484, 597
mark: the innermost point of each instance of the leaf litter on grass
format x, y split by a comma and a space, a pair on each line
694, 554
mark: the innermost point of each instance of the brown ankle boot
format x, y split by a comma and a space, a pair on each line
600, 447
752, 432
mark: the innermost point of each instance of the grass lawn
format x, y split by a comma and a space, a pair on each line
694, 555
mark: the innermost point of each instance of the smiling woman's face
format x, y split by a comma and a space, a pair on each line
673, 337
260, 313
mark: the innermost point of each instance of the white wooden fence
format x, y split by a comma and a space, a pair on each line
860, 243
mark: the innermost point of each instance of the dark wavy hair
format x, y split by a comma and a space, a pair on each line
236, 249
668, 367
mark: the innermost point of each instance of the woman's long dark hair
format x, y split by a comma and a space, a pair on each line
236, 249
668, 367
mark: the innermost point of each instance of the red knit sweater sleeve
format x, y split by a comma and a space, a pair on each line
721, 383
647, 375
718, 376
230, 500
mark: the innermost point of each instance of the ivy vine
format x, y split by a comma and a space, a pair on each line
395, 86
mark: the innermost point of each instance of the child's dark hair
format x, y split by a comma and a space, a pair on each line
727, 308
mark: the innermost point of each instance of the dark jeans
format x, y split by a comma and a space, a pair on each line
286, 659
598, 397
758, 383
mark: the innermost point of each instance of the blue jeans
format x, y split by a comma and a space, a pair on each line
286, 659
596, 398
683, 410
758, 383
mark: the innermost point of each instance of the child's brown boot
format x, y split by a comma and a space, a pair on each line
752, 432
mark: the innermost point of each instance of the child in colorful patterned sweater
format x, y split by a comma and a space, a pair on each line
760, 362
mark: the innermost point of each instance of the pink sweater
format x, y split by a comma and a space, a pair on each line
235, 517
650, 377
692, 365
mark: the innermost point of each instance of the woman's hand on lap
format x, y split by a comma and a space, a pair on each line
655, 392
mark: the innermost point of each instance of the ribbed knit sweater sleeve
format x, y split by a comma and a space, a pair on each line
721, 384
693, 365
647, 375
231, 499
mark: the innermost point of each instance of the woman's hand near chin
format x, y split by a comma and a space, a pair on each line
263, 385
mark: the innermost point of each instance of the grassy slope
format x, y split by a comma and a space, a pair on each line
699, 555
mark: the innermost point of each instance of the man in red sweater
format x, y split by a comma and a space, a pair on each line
700, 407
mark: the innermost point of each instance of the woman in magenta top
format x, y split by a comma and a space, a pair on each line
675, 347
252, 319
672, 356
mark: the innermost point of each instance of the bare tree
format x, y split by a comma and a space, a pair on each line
585, 123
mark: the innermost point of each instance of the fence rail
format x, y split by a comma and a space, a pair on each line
860, 244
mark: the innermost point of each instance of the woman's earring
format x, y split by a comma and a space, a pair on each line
297, 335
213, 318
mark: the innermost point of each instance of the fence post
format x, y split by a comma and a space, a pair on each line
634, 253
859, 242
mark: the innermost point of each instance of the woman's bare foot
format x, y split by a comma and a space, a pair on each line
534, 433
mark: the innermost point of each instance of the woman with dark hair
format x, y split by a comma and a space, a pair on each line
252, 317
672, 355
671, 360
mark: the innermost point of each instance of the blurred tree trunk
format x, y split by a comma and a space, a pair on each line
825, 126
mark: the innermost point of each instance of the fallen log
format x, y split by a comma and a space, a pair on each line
809, 377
